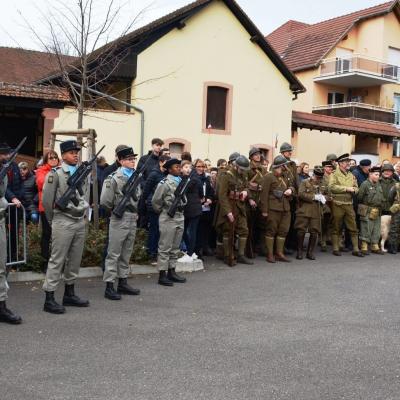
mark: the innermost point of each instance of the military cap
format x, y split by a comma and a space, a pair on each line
234, 156
375, 168
126, 153
331, 157
254, 150
171, 162
120, 147
286, 147
365, 163
279, 161
318, 171
5, 148
387, 167
343, 157
243, 162
69, 145
327, 163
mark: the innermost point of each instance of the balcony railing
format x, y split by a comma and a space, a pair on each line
359, 110
358, 71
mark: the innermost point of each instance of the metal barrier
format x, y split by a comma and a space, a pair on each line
16, 235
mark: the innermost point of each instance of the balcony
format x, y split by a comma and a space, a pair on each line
357, 71
359, 111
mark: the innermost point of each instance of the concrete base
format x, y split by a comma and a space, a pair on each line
90, 272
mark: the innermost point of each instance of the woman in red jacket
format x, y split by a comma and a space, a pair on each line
50, 160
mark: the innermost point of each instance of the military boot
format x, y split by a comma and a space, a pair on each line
269, 245
312, 242
230, 261
71, 299
279, 255
300, 244
364, 248
356, 252
125, 288
51, 306
164, 280
219, 251
174, 277
376, 249
241, 258
324, 247
8, 316
335, 245
110, 293
392, 248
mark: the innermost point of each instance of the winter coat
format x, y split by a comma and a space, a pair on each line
360, 175
194, 195
14, 186
154, 178
41, 174
153, 163
29, 193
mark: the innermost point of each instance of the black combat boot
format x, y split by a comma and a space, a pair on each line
51, 306
312, 242
111, 293
392, 248
8, 316
125, 288
174, 277
71, 299
164, 280
300, 244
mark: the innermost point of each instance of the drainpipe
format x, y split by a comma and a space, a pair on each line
138, 109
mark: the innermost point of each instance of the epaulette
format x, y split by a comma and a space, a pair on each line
162, 181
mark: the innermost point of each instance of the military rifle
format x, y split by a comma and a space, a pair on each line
179, 193
6, 166
75, 182
130, 190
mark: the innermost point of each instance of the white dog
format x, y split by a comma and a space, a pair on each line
385, 227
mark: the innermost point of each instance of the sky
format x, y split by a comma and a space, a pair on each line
266, 14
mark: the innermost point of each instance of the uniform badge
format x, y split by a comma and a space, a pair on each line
108, 185
50, 179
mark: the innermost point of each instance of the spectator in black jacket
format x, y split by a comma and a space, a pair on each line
107, 171
153, 154
154, 178
205, 226
29, 193
361, 172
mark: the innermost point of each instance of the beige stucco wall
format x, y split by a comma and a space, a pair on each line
212, 47
112, 128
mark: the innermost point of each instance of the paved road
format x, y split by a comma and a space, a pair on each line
306, 330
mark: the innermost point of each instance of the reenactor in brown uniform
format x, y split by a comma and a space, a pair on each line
343, 185
256, 224
275, 199
233, 195
326, 222
309, 212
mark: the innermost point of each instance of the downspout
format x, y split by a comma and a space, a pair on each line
138, 109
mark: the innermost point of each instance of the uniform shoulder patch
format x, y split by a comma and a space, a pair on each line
50, 179
162, 181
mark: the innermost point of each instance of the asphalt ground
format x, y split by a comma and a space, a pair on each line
325, 329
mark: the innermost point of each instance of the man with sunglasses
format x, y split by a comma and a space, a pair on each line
68, 231
122, 231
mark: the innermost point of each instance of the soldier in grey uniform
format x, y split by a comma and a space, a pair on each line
171, 229
122, 231
6, 315
68, 231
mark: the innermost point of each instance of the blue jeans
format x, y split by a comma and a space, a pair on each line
154, 233
190, 234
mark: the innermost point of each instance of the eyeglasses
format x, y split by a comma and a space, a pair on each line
53, 158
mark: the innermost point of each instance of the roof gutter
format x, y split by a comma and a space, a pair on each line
138, 109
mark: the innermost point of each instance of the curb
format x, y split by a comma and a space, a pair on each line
91, 272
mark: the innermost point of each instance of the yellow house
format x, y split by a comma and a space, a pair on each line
350, 66
205, 80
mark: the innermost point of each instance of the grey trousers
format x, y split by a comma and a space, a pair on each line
67, 242
122, 233
3, 260
171, 231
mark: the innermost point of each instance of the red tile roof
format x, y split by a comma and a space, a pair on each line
343, 125
29, 91
25, 66
304, 46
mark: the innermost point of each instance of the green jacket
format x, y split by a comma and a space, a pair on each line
370, 194
386, 184
339, 182
271, 197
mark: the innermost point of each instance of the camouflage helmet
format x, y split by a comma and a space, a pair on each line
279, 161
387, 167
243, 162
233, 156
286, 147
254, 150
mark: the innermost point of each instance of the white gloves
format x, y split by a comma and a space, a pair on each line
320, 197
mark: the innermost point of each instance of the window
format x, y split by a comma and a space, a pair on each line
217, 108
396, 148
176, 149
335, 98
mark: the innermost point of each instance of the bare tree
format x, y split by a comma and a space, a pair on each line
75, 29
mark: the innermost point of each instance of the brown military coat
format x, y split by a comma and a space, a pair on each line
255, 177
308, 207
271, 197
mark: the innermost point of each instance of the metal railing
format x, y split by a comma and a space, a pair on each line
338, 66
16, 235
359, 110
